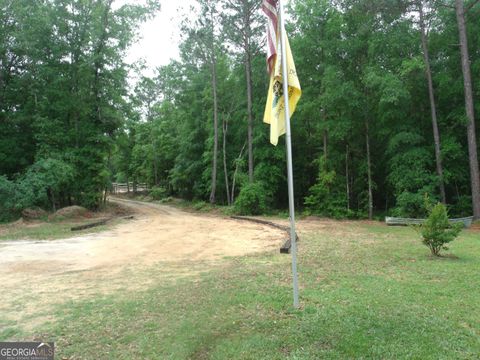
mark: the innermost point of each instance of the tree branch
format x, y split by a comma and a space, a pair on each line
467, 9
445, 5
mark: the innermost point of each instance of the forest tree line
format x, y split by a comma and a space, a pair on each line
387, 113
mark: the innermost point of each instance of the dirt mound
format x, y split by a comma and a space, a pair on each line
72, 212
33, 214
117, 210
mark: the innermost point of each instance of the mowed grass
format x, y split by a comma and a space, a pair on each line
49, 230
367, 292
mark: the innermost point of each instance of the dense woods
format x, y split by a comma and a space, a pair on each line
387, 115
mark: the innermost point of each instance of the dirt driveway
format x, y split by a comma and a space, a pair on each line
37, 274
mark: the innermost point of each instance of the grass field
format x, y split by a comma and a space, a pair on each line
60, 227
367, 291
48, 230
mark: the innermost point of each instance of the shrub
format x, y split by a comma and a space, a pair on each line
43, 182
200, 205
412, 204
436, 231
326, 197
462, 207
158, 193
7, 200
252, 200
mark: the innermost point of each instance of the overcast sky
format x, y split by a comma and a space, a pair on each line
159, 36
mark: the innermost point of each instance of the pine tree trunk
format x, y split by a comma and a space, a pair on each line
155, 160
53, 200
347, 177
436, 134
235, 173
2, 77
325, 137
248, 73
225, 169
369, 172
467, 82
98, 61
215, 126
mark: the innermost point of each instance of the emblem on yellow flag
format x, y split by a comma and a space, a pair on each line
274, 109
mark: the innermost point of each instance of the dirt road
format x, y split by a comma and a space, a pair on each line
36, 274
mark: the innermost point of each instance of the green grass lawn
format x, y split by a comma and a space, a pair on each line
50, 230
367, 292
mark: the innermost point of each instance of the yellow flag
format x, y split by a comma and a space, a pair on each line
274, 109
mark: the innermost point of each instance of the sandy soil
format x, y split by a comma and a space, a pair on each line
36, 274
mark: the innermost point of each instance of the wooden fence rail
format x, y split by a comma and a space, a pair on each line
122, 188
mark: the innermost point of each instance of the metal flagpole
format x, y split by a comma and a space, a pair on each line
288, 139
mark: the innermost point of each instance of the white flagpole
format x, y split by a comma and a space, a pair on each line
288, 139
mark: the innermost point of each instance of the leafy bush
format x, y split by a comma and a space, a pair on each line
412, 204
43, 182
326, 197
7, 199
200, 205
462, 207
436, 231
158, 193
252, 199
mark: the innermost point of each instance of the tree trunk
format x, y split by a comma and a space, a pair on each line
467, 83
98, 60
369, 172
155, 159
235, 173
248, 73
347, 178
225, 170
325, 145
325, 137
215, 125
436, 134
54, 208
2, 82
105, 197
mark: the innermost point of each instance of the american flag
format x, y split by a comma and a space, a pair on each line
269, 7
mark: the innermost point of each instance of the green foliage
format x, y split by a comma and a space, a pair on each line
436, 231
411, 174
358, 61
325, 199
200, 205
252, 199
411, 204
7, 199
43, 184
354, 68
64, 91
158, 193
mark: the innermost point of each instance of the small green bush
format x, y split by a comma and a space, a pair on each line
436, 231
158, 193
200, 205
413, 204
326, 197
44, 181
8, 209
252, 200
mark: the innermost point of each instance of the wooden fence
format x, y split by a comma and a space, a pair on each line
123, 188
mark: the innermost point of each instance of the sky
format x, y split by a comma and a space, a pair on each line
159, 36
